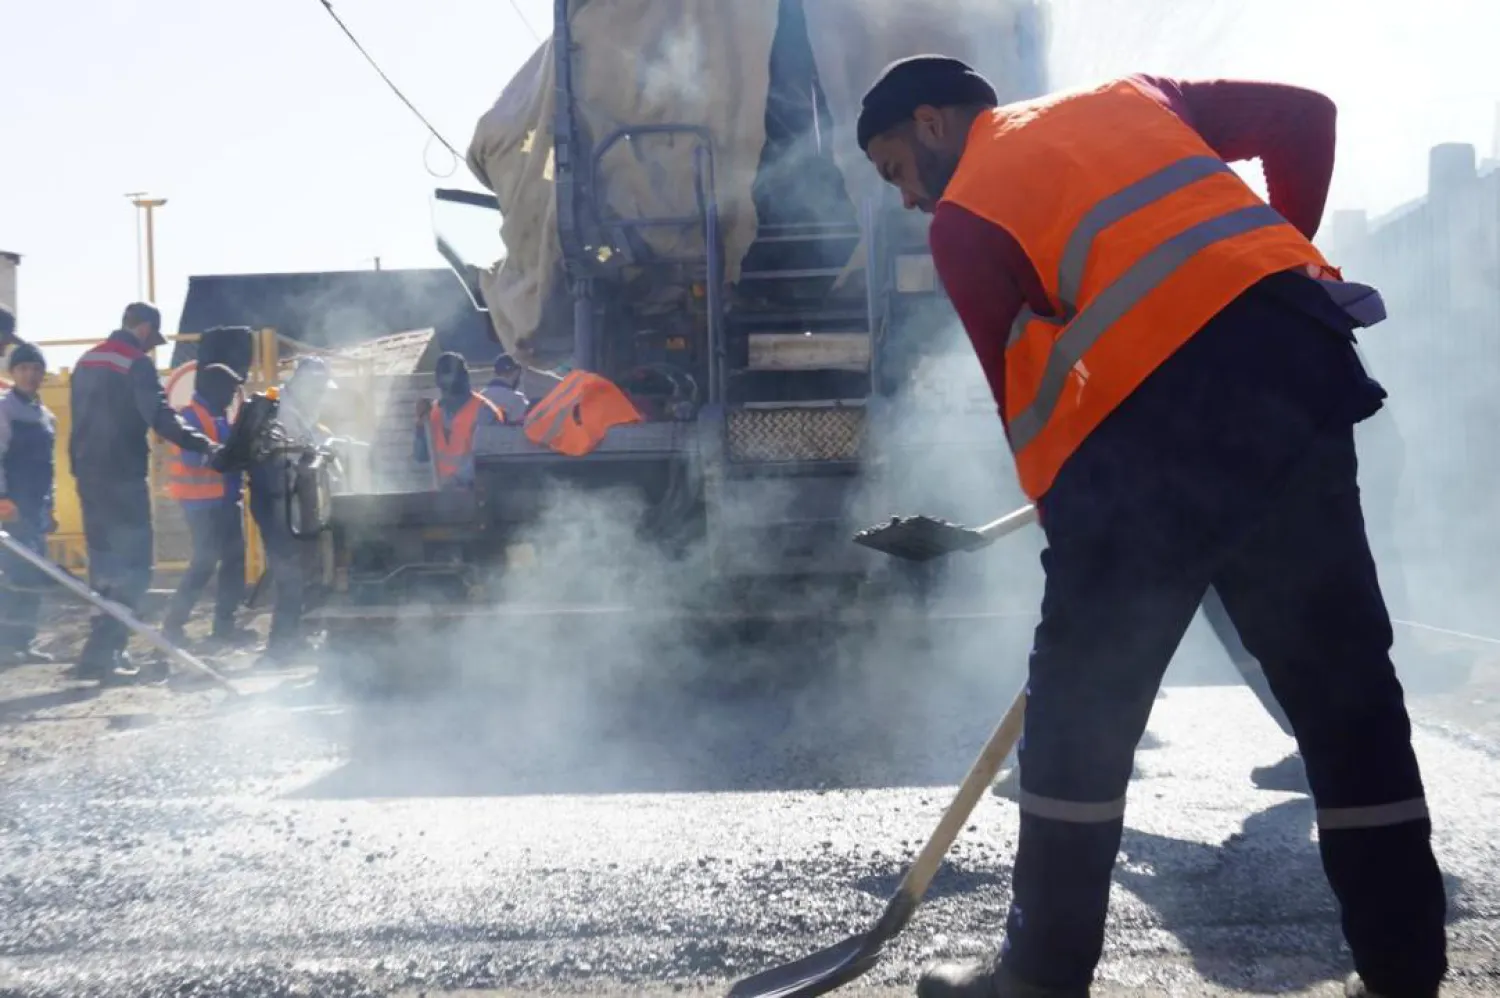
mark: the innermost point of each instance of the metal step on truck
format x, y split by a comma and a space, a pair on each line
685, 212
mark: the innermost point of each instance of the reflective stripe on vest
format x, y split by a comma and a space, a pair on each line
190, 482
576, 415
457, 443
1139, 233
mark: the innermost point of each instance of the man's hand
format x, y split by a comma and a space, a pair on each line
8, 511
424, 406
218, 458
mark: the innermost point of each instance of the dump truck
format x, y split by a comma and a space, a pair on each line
685, 211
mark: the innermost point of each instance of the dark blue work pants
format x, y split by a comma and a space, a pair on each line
218, 533
287, 558
1244, 662
1232, 466
21, 588
118, 536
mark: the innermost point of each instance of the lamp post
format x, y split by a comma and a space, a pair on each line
141, 201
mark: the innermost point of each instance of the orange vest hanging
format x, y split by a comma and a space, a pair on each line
458, 442
1140, 234
191, 482
573, 417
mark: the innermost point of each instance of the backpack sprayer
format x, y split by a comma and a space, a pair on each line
257, 436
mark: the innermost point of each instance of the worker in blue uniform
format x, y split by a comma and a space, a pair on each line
28, 435
116, 402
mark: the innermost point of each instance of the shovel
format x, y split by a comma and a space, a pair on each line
922, 538
114, 609
841, 963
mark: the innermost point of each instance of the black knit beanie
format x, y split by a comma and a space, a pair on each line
26, 353
907, 84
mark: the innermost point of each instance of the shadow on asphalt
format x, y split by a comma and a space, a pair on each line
1267, 874
19, 709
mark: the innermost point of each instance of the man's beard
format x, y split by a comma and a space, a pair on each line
935, 169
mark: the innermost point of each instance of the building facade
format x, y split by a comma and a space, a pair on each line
1437, 264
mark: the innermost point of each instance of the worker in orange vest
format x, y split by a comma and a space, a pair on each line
1173, 364
450, 424
574, 417
211, 504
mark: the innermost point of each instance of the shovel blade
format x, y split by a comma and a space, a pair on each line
812, 975
919, 538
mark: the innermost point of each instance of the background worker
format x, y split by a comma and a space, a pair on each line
504, 389
116, 401
28, 434
1177, 380
211, 505
450, 424
289, 559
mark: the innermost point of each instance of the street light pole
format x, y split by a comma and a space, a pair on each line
150, 205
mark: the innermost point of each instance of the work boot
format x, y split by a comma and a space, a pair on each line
121, 672
234, 637
286, 654
982, 979
1355, 987
1288, 775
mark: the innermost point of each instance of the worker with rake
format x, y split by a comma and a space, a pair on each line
1174, 364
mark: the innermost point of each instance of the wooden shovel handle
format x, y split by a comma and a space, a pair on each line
919, 875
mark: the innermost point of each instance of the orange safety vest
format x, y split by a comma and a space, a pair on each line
1140, 234
457, 443
573, 417
186, 481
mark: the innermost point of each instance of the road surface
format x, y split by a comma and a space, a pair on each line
156, 842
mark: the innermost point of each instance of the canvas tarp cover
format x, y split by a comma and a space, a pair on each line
692, 62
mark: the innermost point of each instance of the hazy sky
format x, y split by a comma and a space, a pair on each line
280, 150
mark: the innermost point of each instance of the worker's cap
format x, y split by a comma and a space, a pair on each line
315, 367
224, 371
26, 353
139, 313
506, 364
917, 81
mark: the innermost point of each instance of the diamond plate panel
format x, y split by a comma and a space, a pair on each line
822, 434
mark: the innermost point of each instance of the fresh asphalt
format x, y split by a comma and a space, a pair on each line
302, 844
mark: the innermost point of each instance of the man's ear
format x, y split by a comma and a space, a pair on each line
929, 123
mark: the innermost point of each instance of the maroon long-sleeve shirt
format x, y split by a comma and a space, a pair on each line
1290, 130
